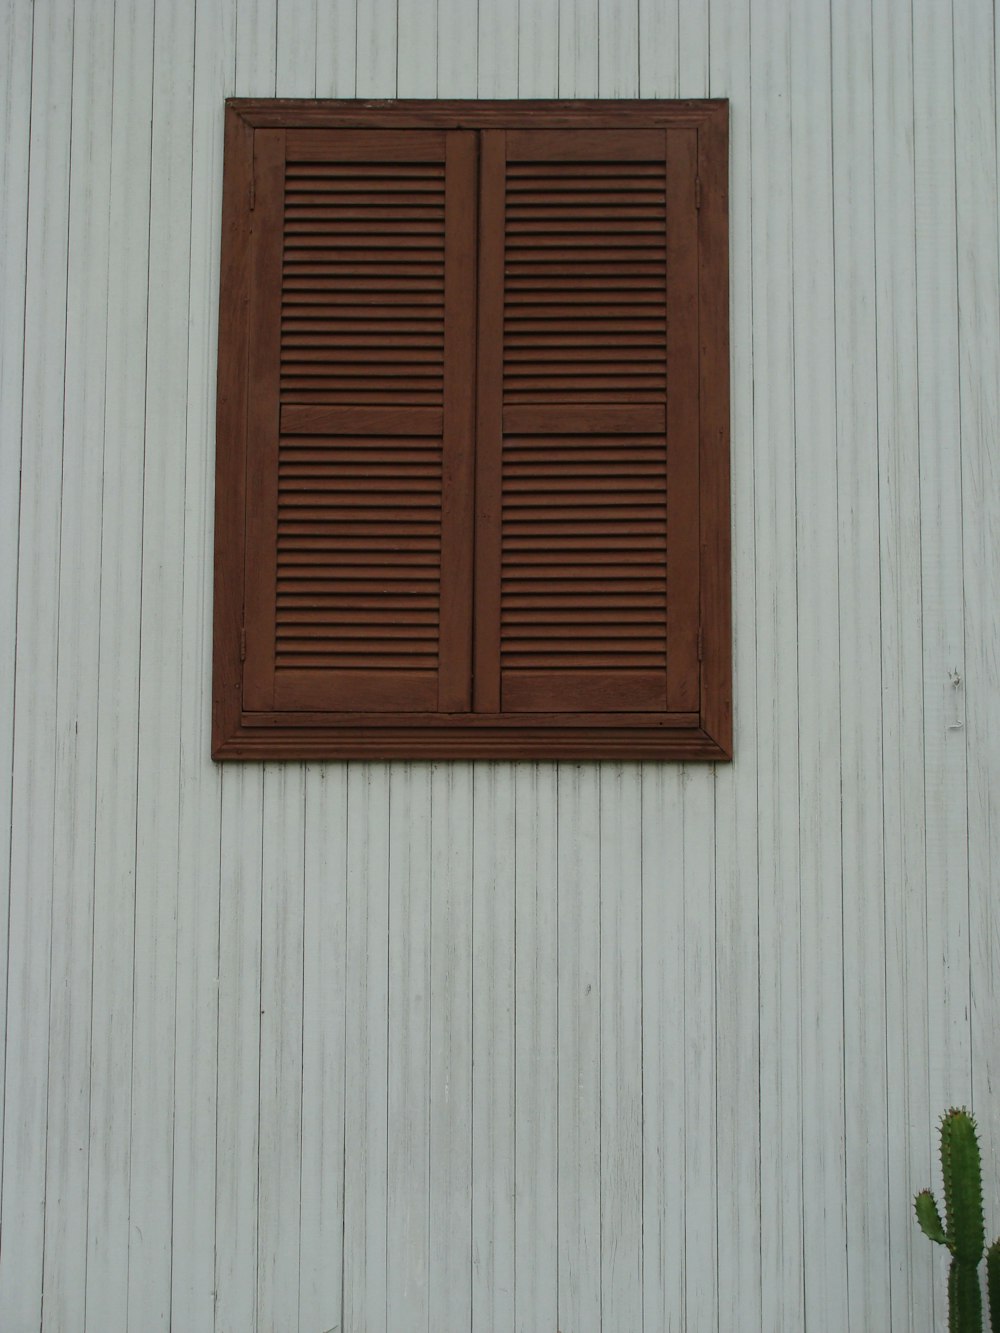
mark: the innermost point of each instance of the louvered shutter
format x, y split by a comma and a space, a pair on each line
473, 430
587, 540
360, 422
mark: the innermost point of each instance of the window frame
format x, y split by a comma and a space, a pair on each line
239, 734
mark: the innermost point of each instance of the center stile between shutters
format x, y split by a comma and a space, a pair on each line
480, 472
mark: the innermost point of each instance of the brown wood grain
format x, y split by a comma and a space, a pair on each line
458, 445
230, 433
263, 417
559, 532
405, 741
584, 145
298, 419
489, 436
682, 433
716, 577
483, 723
373, 505
485, 114
532, 494
356, 145
362, 689
592, 419
590, 691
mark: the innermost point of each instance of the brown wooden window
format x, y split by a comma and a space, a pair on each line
473, 432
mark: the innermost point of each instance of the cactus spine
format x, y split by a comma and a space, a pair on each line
962, 1232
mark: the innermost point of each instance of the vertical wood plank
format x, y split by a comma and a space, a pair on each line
33, 767
232, 393
777, 777
683, 582
618, 49
192, 1277
701, 1183
664, 1199
946, 830
68, 1109
417, 42
377, 49
909, 1110
821, 1050
865, 1077
976, 144
15, 126
579, 39
579, 1054
493, 1072
537, 48
489, 430
716, 614
266, 248
118, 683
281, 1018
738, 1047
238, 1113
324, 1047
336, 48
458, 470
621, 1046
658, 41
450, 1277
410, 987
158, 792
366, 1125
296, 54
692, 49
240, 910
257, 48
536, 1090
497, 56
457, 47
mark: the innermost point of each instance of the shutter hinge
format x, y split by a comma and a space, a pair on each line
243, 643
701, 645
697, 192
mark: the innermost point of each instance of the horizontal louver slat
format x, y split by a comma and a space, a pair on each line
583, 521
581, 554
363, 283
584, 263
350, 540
359, 521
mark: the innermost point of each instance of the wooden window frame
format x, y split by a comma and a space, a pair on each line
704, 734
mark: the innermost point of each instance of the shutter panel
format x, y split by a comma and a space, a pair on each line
587, 583
361, 399
472, 432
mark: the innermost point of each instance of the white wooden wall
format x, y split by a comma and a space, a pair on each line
536, 1047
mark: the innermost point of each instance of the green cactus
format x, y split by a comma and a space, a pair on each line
962, 1232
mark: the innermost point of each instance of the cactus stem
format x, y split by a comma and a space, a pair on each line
963, 1230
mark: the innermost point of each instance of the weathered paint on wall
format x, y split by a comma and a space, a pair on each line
542, 1047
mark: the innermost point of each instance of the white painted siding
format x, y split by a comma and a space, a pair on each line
512, 1047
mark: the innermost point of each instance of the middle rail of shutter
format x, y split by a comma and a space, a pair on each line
362, 404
